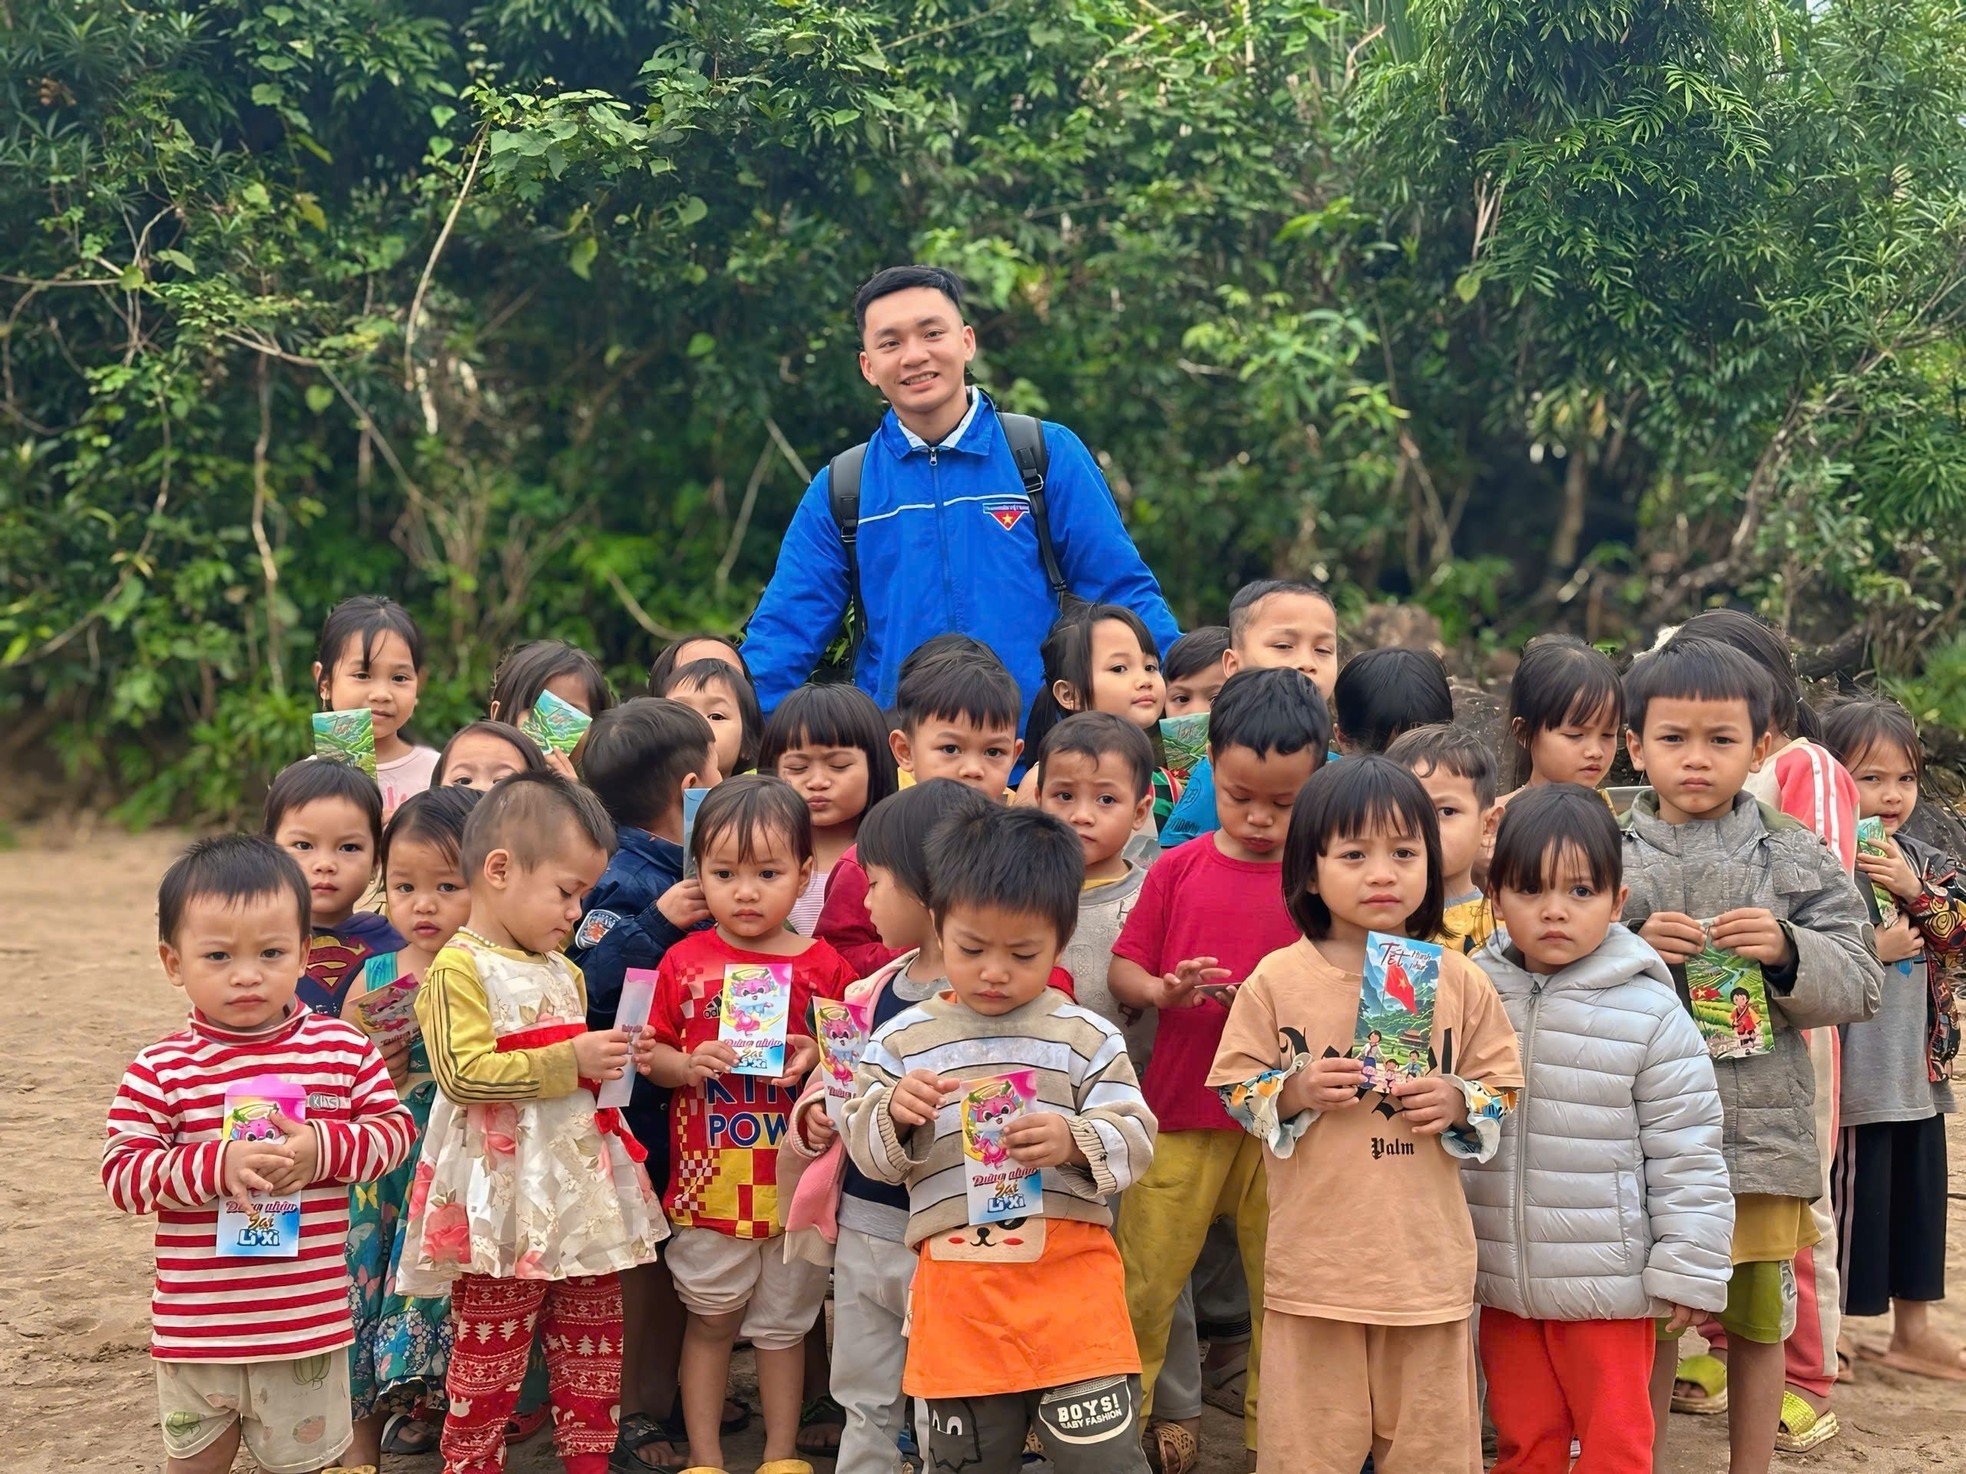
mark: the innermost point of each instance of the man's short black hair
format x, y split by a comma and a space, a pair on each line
232, 868
892, 279
637, 754
958, 685
528, 815
1687, 668
1018, 860
1383, 693
1858, 724
1097, 734
1541, 822
747, 806
1440, 746
1242, 608
312, 779
1270, 710
1196, 651
896, 831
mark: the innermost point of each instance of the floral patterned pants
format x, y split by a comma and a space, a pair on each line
494, 1321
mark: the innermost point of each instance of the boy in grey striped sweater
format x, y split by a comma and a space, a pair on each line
1017, 1324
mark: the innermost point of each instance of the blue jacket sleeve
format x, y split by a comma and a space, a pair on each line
1195, 815
803, 605
634, 941
1095, 551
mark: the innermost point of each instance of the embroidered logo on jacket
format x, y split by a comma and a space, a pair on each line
594, 926
1007, 514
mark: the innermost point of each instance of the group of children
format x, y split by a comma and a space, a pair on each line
1142, 987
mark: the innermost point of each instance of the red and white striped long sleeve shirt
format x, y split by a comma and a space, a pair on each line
162, 1157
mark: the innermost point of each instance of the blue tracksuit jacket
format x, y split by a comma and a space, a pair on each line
946, 544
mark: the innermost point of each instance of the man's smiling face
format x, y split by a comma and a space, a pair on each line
914, 349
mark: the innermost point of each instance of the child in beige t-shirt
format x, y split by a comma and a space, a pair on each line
1369, 1352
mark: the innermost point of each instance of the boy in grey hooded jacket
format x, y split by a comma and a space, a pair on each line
1709, 866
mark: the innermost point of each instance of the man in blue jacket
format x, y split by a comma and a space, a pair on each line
946, 540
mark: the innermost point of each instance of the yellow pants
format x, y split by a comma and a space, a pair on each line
1196, 1177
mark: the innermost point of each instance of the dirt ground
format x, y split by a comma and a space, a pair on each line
75, 1383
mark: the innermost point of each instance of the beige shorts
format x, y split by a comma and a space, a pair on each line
716, 1274
292, 1415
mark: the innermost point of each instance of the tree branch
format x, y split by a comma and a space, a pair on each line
430, 266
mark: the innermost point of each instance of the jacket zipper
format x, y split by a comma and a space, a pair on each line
1518, 1226
942, 534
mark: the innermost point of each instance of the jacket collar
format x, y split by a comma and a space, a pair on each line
976, 435
1622, 958
1730, 831
650, 848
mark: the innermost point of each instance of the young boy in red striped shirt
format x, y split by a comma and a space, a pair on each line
248, 1347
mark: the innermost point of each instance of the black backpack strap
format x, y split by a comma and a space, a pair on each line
1025, 433
843, 488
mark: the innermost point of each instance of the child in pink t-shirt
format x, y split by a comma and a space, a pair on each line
1210, 910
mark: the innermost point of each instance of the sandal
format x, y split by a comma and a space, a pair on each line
1224, 1386
409, 1434
786, 1466
521, 1426
1709, 1374
637, 1432
820, 1412
1171, 1449
1802, 1427
677, 1432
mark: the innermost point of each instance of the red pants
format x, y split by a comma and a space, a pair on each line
493, 1325
1552, 1380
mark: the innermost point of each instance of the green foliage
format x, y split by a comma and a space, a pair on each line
533, 313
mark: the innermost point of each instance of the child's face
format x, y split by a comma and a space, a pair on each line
386, 683
428, 896
572, 690
1253, 796
1126, 680
332, 840
1373, 881
1696, 755
1563, 917
750, 898
717, 703
1095, 796
1459, 812
832, 781
538, 905
1192, 695
480, 759
997, 960
976, 755
1887, 784
1578, 750
901, 919
1293, 631
237, 961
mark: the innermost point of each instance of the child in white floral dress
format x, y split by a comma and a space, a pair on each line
529, 1199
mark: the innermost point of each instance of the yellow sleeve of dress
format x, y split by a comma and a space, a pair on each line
457, 1034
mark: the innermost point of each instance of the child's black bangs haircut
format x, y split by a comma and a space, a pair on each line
1347, 800
1096, 735
524, 670
1242, 608
834, 714
435, 818
530, 815
937, 646
365, 618
1383, 693
746, 808
232, 868
1271, 710
637, 754
1196, 653
1440, 747
1861, 724
701, 675
891, 279
1768, 648
1560, 682
670, 657
1067, 657
895, 833
313, 779
958, 685
1687, 668
530, 760
1541, 823
1022, 861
